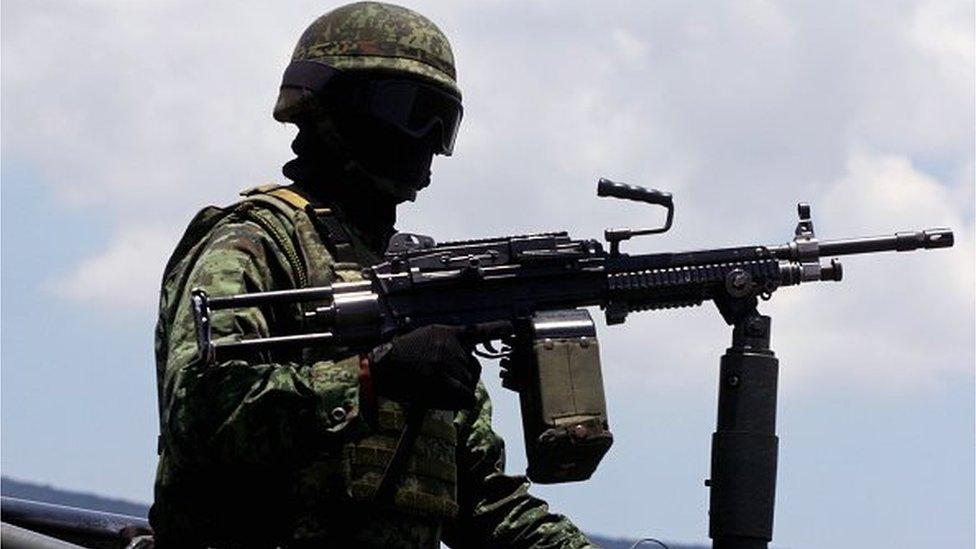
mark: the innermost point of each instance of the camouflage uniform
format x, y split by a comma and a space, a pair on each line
269, 451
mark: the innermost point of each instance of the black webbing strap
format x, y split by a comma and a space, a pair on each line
334, 233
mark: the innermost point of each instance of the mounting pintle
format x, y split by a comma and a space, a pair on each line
605, 187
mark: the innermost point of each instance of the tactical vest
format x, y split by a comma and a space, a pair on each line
320, 250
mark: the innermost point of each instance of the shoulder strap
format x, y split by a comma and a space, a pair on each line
298, 201
270, 197
324, 220
285, 194
333, 232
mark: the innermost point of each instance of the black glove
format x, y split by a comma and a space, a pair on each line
428, 366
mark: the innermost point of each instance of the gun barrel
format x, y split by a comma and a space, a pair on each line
900, 242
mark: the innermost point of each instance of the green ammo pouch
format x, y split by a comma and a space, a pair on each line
555, 367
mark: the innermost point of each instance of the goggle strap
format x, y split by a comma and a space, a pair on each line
309, 75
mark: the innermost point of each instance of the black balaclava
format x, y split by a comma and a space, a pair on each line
362, 167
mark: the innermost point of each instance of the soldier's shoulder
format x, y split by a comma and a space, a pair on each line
247, 223
221, 225
260, 211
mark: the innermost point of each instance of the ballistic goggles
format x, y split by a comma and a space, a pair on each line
412, 106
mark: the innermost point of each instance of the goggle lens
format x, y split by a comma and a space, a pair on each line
413, 107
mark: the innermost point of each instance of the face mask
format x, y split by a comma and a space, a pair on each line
391, 158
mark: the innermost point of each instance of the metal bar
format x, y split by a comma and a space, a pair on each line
71, 522
246, 346
271, 298
15, 537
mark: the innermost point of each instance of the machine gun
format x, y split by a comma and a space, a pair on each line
529, 291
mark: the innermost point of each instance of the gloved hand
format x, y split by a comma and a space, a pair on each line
428, 366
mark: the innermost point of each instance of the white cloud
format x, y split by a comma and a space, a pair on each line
629, 46
124, 276
945, 30
764, 18
154, 109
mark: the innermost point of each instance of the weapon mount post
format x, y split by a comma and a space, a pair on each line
744, 445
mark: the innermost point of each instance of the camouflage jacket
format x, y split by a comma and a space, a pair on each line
264, 452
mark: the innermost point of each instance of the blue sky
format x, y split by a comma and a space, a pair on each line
121, 119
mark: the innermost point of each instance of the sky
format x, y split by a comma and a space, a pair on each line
121, 118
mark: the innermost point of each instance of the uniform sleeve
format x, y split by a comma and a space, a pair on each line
247, 412
496, 510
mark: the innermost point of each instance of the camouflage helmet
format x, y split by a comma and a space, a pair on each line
371, 36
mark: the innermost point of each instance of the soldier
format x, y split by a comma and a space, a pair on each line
290, 449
